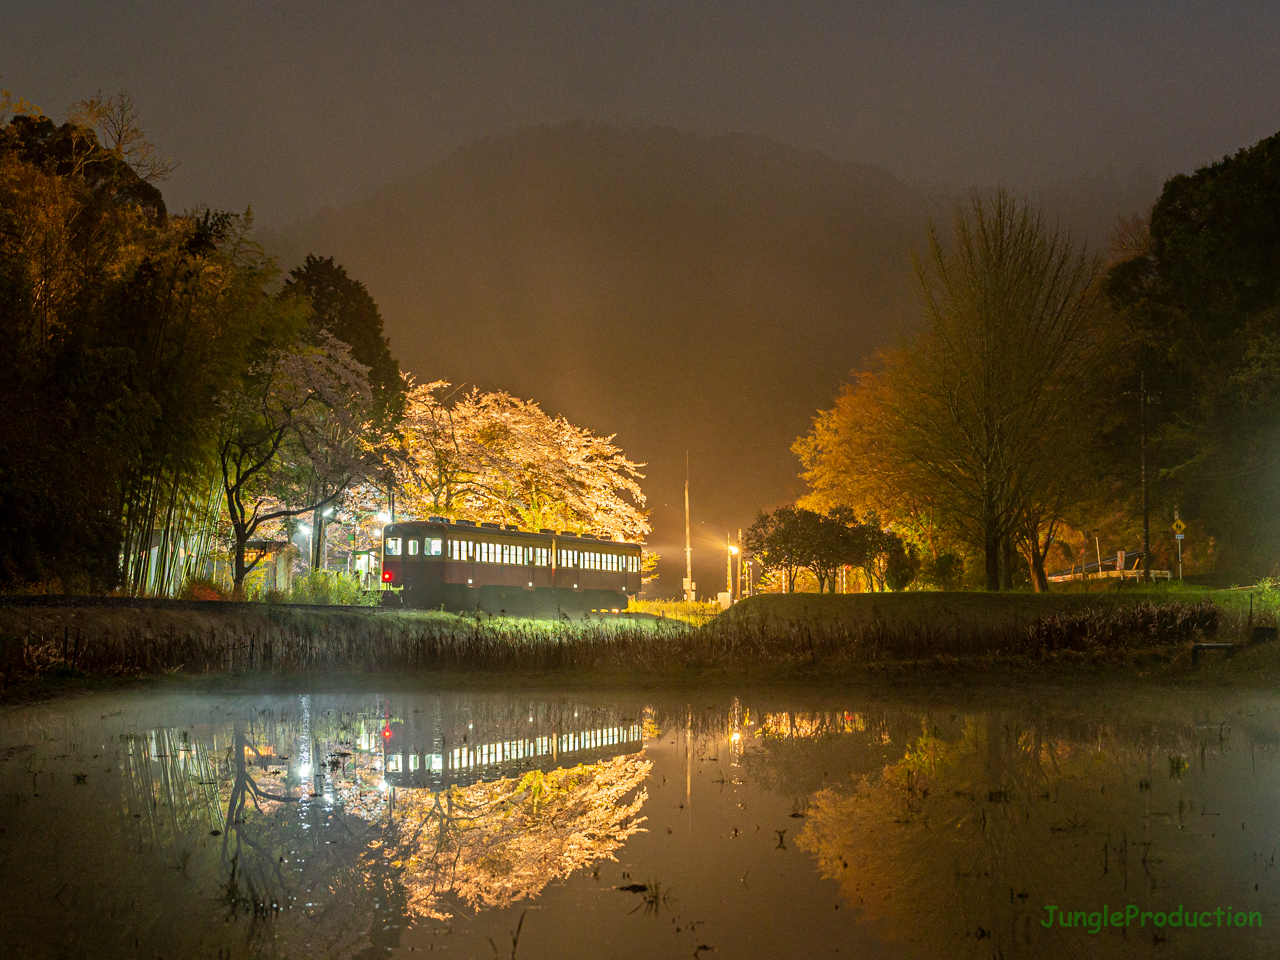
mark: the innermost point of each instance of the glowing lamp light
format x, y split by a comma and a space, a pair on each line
386, 576
384, 517
386, 732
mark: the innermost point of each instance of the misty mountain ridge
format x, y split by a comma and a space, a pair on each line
683, 291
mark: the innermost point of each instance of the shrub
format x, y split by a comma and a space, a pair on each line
204, 588
331, 587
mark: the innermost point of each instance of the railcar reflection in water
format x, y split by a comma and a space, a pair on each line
436, 753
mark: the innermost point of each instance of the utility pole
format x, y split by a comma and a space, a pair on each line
1146, 520
729, 551
689, 587
741, 594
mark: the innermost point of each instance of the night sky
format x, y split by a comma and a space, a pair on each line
294, 107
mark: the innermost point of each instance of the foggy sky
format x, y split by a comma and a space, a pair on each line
292, 106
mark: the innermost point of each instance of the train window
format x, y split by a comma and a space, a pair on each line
506, 553
435, 546
392, 547
413, 548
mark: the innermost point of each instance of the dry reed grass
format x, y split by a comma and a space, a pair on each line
297, 642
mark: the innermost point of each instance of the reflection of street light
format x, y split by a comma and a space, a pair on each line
384, 517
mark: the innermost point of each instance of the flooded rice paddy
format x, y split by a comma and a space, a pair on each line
152, 824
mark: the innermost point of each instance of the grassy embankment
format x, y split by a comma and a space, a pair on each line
800, 637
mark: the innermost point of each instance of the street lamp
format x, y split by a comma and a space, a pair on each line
730, 552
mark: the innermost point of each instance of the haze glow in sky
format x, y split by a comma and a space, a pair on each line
290, 106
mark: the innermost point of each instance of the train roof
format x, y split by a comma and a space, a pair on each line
470, 526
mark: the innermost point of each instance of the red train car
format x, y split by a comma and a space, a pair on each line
463, 566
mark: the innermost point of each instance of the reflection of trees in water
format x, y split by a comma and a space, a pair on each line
296, 870
798, 753
171, 783
961, 842
491, 844
295, 865
256, 879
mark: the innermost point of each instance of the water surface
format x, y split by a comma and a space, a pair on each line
733, 824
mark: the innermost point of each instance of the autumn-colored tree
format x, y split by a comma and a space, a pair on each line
850, 462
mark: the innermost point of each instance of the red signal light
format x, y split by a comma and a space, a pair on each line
386, 732
386, 576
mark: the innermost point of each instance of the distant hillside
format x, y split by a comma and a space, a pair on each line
682, 291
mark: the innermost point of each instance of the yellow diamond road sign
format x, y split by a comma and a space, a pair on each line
1178, 526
